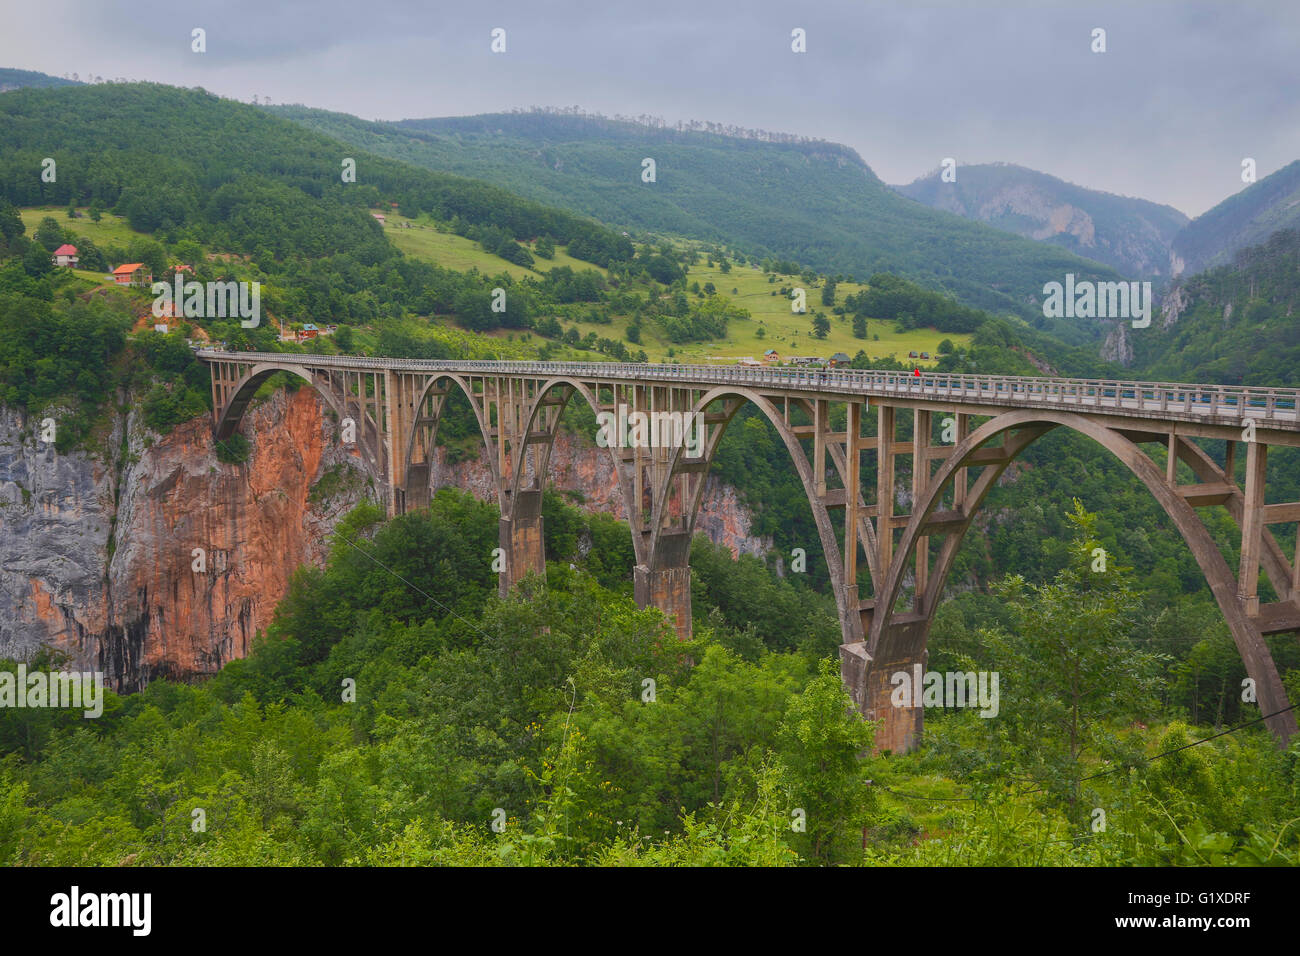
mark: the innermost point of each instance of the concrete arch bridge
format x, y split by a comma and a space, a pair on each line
841, 430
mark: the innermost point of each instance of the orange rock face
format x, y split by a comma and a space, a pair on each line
164, 562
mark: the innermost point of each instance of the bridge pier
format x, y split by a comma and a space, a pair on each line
416, 494
521, 538
667, 584
871, 687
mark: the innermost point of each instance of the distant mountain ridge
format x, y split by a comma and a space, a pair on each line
1131, 235
11, 79
1246, 218
813, 202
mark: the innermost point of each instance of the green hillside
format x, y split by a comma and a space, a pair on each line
814, 202
1238, 324
1246, 218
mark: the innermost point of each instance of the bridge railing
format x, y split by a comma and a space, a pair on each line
1277, 405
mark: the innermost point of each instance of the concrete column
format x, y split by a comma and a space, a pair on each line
667, 584
522, 539
1252, 527
872, 689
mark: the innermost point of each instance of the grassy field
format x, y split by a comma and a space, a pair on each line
110, 230
787, 332
446, 249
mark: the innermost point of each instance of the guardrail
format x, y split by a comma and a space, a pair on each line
1280, 406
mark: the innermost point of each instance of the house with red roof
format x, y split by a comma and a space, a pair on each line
66, 255
132, 273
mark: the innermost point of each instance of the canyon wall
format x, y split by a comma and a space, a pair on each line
154, 559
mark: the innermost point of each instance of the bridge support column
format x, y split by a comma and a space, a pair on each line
416, 495
521, 538
667, 585
873, 688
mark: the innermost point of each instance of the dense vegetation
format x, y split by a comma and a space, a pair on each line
396, 710
1236, 324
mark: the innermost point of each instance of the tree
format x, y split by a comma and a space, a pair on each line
820, 743
1071, 669
821, 325
860, 326
828, 293
37, 261
945, 347
49, 234
545, 247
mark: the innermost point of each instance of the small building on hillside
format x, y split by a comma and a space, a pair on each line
925, 355
840, 358
771, 356
379, 217
308, 331
133, 274
66, 255
749, 361
912, 355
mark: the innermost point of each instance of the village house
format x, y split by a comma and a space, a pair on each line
749, 362
132, 274
840, 358
380, 217
772, 357
66, 255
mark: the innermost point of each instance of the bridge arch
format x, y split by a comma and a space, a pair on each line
230, 416
540, 465
427, 429
891, 639
736, 398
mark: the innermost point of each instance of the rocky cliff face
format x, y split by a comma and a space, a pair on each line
156, 560
161, 561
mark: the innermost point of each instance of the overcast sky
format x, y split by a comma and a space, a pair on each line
1183, 93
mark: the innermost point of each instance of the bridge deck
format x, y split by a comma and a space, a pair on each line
1278, 408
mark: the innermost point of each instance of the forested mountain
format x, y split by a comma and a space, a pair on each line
814, 202
1132, 235
1245, 218
1236, 324
172, 159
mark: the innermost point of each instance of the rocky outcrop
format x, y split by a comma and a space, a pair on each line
1117, 347
154, 559
579, 466
158, 560
1174, 305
